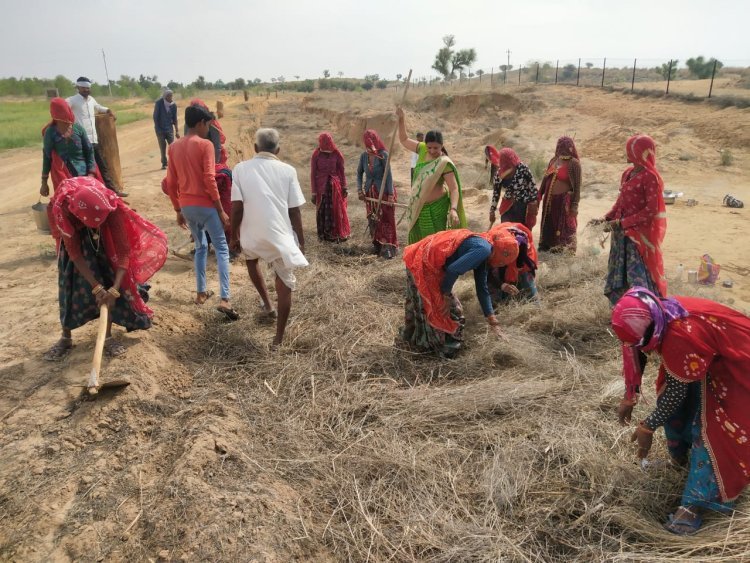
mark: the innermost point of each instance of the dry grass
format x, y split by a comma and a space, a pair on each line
509, 452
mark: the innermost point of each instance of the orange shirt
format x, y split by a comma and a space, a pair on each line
191, 173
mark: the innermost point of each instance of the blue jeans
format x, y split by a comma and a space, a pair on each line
201, 219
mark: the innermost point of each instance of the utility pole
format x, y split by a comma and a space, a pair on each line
507, 68
106, 73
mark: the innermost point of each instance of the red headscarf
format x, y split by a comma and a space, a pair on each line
641, 151
566, 147
425, 260
60, 111
85, 199
507, 159
631, 317
373, 142
492, 155
325, 142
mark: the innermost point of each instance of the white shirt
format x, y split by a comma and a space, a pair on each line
85, 110
268, 188
414, 159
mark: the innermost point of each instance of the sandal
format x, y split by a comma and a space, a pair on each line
203, 296
113, 347
231, 314
680, 526
59, 350
730, 201
268, 312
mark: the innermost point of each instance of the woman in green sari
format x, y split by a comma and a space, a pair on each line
435, 203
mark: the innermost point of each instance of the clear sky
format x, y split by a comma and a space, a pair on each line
227, 39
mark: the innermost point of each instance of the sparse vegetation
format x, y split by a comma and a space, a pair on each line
449, 61
701, 68
726, 157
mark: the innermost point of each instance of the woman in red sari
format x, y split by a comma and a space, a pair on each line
638, 221
560, 193
328, 185
105, 251
703, 391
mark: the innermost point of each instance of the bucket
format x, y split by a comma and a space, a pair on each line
40, 217
692, 276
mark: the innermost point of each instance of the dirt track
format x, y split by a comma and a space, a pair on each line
82, 480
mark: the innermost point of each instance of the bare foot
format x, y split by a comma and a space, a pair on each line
59, 350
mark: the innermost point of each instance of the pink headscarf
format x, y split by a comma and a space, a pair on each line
492, 155
373, 142
508, 160
325, 142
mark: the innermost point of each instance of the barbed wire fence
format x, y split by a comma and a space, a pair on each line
654, 76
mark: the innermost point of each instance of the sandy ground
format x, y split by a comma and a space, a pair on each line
61, 457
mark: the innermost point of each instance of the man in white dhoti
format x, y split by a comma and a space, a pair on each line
267, 222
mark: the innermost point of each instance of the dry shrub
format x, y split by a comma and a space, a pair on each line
509, 452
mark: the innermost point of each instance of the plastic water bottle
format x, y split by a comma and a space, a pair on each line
678, 273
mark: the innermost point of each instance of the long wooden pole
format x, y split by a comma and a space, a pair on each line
391, 203
96, 363
390, 151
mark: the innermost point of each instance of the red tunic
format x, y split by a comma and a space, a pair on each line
641, 211
715, 340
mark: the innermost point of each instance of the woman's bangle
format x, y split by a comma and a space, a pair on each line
98, 289
454, 209
112, 291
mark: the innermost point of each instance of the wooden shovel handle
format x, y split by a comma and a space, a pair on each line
101, 335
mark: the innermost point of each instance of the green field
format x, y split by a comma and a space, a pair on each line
21, 122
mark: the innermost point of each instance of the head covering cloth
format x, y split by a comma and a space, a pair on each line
373, 142
492, 154
507, 159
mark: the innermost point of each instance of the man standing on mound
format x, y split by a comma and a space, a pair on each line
267, 222
191, 185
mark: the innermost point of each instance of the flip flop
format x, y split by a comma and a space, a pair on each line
231, 314
209, 294
683, 527
114, 348
59, 350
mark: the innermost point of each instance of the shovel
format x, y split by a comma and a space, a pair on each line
93, 386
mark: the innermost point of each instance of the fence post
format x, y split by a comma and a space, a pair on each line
492, 71
669, 76
521, 66
578, 78
537, 73
713, 73
604, 68
557, 67
632, 81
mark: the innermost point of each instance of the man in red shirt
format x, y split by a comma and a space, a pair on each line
191, 185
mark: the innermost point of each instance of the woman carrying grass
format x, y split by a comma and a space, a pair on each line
560, 193
104, 250
703, 390
436, 203
433, 319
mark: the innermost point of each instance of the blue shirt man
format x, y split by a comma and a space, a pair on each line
165, 124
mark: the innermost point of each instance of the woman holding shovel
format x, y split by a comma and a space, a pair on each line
104, 250
370, 173
435, 203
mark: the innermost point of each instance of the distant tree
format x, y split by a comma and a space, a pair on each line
569, 71
372, 77
367, 85
382, 84
281, 79
506, 68
238, 84
326, 73
665, 71
341, 73
296, 76
219, 85
701, 68
273, 80
449, 61
257, 81
480, 72
172, 85
589, 65
199, 83
398, 77
471, 75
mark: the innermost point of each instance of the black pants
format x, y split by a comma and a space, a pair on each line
103, 170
